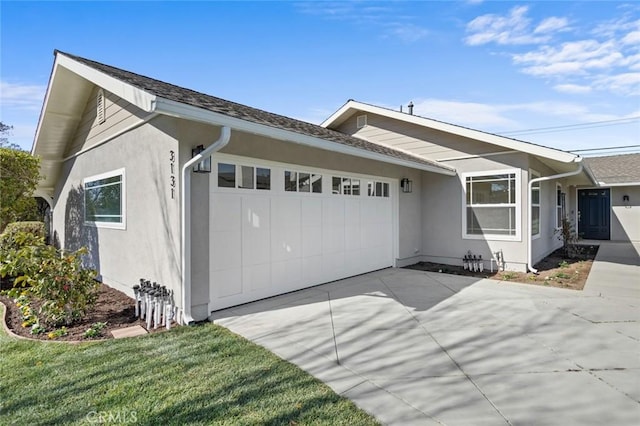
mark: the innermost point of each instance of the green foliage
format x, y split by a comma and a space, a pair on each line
564, 264
201, 375
8, 236
19, 176
59, 332
566, 233
95, 330
66, 289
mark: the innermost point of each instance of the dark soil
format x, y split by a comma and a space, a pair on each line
555, 270
113, 307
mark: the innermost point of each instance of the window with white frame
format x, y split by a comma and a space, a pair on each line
244, 177
535, 204
560, 206
302, 182
345, 185
378, 189
491, 204
104, 199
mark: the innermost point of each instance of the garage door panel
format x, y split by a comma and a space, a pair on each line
352, 237
226, 250
268, 242
311, 241
228, 282
285, 212
256, 213
226, 212
333, 211
256, 277
286, 275
333, 239
312, 212
312, 271
286, 243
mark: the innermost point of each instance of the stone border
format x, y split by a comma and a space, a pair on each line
10, 333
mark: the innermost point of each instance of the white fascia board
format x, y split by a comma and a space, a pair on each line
44, 107
131, 94
553, 154
177, 109
605, 184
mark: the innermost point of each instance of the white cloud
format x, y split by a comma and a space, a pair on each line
572, 88
21, 96
605, 58
552, 24
632, 38
388, 18
513, 29
408, 32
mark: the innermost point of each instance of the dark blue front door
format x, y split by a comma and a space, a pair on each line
593, 214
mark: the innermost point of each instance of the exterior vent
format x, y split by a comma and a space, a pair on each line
361, 121
100, 107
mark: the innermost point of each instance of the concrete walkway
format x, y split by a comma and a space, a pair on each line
415, 348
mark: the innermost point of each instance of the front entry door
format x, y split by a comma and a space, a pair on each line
593, 214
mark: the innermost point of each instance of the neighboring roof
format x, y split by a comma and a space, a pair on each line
615, 169
352, 106
184, 96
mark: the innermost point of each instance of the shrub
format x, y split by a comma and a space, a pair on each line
95, 330
66, 289
18, 257
8, 237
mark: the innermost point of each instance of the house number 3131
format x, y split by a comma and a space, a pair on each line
172, 176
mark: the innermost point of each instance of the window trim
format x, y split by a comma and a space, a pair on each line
533, 174
123, 200
560, 206
517, 204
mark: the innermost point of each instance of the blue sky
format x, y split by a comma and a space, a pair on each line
571, 69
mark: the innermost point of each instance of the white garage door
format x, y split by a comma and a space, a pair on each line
276, 228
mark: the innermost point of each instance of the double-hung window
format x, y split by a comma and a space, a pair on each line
491, 206
535, 204
104, 200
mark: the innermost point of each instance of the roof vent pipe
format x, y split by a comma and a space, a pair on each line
400, 108
410, 108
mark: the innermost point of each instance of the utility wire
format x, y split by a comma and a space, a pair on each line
605, 148
570, 127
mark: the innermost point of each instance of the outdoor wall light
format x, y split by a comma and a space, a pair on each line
625, 198
203, 166
406, 185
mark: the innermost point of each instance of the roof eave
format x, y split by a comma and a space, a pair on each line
177, 109
550, 153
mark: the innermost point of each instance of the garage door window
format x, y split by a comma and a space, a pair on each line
244, 177
378, 189
302, 182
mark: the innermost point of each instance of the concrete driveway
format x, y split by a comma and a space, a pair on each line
414, 347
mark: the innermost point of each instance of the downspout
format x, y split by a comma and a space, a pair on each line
185, 219
529, 221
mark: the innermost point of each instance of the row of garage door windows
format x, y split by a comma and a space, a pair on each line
249, 177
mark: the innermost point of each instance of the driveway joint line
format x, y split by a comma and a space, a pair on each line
333, 329
467, 376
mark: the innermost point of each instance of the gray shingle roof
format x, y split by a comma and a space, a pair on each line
254, 115
615, 168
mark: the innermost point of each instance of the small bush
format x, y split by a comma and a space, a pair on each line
8, 237
95, 330
66, 289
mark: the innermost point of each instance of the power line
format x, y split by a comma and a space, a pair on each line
605, 148
569, 127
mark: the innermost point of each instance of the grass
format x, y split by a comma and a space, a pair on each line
191, 375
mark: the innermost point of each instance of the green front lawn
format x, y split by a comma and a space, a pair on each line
191, 375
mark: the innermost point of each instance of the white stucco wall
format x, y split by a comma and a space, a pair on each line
149, 246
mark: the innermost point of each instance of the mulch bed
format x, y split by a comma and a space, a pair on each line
555, 270
113, 307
